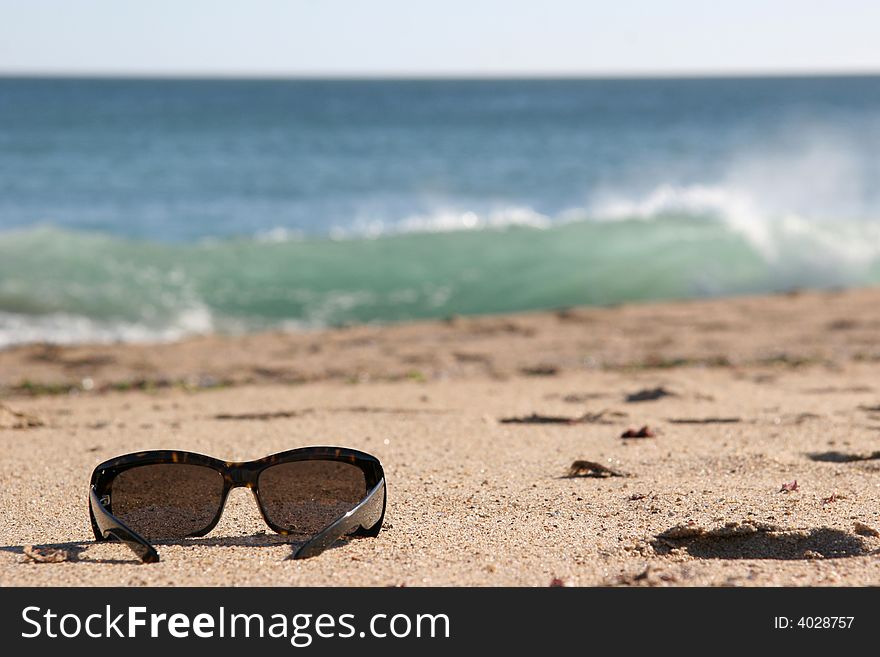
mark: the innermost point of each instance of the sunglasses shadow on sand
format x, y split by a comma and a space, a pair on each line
316, 494
77, 551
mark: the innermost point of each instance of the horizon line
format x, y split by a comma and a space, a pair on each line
449, 75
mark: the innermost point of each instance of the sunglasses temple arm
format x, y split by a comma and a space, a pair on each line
367, 514
111, 526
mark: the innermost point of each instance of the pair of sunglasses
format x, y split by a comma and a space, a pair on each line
317, 493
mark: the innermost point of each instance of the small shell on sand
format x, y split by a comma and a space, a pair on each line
46, 554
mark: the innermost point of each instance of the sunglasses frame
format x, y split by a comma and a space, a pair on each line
244, 474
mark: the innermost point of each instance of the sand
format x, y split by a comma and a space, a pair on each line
745, 396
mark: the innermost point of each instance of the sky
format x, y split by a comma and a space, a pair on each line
437, 38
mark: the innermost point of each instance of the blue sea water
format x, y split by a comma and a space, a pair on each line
151, 209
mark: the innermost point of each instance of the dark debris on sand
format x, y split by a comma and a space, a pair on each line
536, 418
270, 415
649, 394
704, 420
842, 457
862, 529
650, 576
540, 370
593, 469
644, 432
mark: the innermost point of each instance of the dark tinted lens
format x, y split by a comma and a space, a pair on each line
304, 497
167, 500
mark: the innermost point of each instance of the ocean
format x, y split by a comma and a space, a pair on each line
153, 209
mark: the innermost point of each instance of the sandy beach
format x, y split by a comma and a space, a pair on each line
763, 467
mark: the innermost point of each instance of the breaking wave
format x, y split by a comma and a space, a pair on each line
671, 242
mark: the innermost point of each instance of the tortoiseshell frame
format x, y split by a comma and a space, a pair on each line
365, 518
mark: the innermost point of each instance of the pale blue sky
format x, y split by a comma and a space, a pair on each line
448, 37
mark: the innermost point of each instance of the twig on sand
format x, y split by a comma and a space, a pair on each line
275, 415
270, 415
540, 370
704, 420
649, 394
535, 418
580, 398
790, 487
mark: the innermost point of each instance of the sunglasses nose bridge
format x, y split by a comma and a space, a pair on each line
242, 475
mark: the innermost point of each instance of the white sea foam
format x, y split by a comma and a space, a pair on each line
65, 328
775, 230
781, 237
805, 199
735, 207
444, 221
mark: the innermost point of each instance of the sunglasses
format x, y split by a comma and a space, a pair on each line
317, 493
